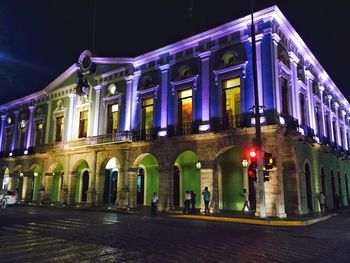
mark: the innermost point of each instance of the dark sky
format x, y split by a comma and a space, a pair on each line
45, 37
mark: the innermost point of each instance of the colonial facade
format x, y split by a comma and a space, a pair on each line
115, 130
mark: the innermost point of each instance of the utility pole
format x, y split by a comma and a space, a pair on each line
258, 144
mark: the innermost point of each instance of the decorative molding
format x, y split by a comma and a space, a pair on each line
184, 81
240, 67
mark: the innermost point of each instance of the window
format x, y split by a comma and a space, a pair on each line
59, 128
38, 133
185, 106
8, 139
302, 109
326, 119
83, 124
112, 118
285, 99
22, 135
317, 119
147, 116
232, 97
334, 132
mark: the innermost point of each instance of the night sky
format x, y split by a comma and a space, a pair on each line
39, 39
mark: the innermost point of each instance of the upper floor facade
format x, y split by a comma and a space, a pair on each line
201, 84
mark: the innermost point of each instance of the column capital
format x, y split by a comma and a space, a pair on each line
293, 57
309, 75
321, 88
343, 113
72, 95
164, 68
3, 117
204, 55
275, 38
129, 78
258, 38
336, 105
31, 109
329, 97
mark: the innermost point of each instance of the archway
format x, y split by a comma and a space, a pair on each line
147, 179
57, 183
190, 177
82, 182
231, 180
111, 182
6, 179
308, 186
34, 182
176, 187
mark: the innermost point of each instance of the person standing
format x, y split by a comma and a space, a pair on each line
246, 201
193, 202
187, 202
322, 200
154, 204
206, 198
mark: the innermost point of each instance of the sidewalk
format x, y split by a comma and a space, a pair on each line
231, 216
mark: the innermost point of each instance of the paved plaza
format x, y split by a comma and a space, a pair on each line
34, 234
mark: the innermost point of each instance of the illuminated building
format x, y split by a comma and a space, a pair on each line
115, 130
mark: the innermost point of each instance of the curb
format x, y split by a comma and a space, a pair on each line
267, 222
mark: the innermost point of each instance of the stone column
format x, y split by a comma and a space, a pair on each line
30, 127
258, 39
164, 69
96, 123
276, 39
48, 179
165, 188
123, 187
91, 193
132, 196
207, 180
311, 106
48, 122
71, 117
294, 60
205, 74
2, 133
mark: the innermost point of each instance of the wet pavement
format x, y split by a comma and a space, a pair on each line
35, 234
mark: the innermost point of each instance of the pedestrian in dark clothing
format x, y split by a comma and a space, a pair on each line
206, 198
193, 202
187, 202
154, 204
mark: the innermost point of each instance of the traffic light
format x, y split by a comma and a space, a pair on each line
268, 161
253, 163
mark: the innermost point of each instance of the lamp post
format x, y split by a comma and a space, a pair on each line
258, 144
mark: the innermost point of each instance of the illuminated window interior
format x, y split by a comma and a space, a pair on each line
38, 133
83, 124
147, 113
232, 96
113, 116
59, 128
185, 106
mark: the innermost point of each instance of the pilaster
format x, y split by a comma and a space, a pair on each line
48, 121
321, 88
30, 127
71, 117
276, 39
164, 69
294, 60
97, 104
311, 106
2, 132
15, 131
205, 61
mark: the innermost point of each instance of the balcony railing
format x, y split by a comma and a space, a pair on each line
183, 129
146, 134
292, 124
231, 122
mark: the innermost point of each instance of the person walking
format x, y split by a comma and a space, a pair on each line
193, 202
246, 201
322, 200
206, 198
187, 202
154, 204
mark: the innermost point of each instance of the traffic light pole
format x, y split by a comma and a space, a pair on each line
258, 144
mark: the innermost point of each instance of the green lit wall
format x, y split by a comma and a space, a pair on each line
191, 177
232, 179
152, 172
329, 162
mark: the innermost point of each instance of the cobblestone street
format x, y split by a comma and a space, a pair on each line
29, 234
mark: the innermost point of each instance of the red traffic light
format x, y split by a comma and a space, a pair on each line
252, 153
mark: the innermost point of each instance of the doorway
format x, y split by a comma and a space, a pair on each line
308, 187
85, 186
176, 187
140, 186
